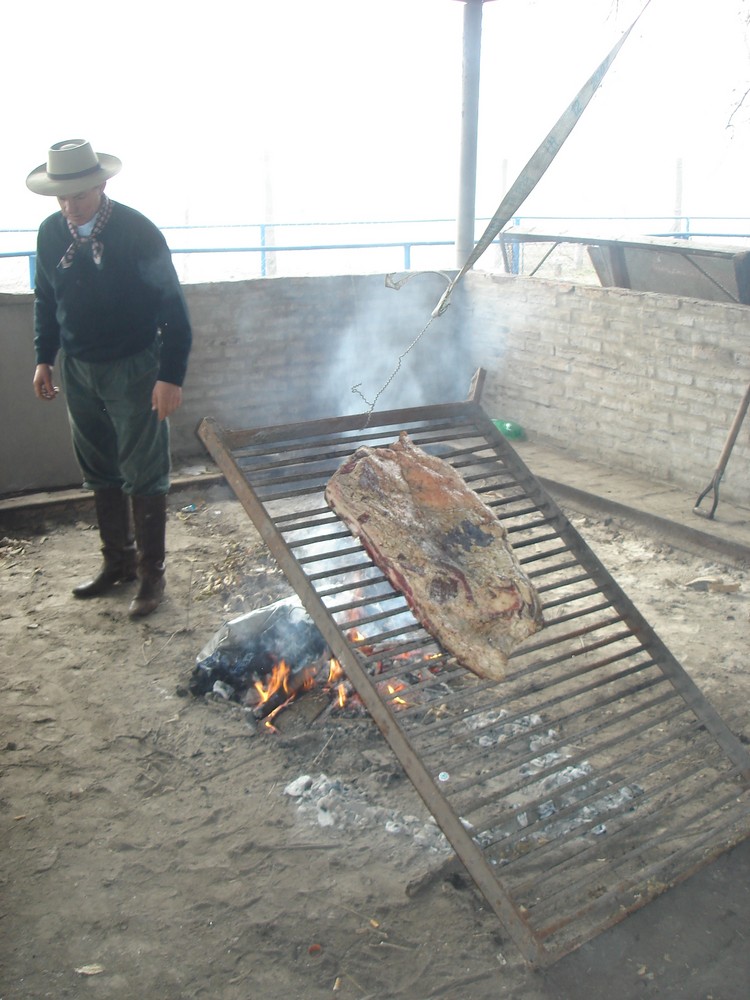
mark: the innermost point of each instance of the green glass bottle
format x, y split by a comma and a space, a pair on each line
510, 429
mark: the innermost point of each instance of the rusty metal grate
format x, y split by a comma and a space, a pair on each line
589, 781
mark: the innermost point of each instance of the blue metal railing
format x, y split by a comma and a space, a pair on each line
406, 247
266, 247
676, 227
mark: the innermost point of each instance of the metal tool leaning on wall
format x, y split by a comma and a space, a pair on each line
713, 486
108, 301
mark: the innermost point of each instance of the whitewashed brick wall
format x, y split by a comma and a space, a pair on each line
648, 383
639, 381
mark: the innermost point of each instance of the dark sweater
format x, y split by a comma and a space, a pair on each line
108, 313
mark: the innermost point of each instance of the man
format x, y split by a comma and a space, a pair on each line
108, 299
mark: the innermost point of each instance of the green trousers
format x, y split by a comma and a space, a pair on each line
117, 438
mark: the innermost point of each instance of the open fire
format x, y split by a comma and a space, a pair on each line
283, 686
269, 658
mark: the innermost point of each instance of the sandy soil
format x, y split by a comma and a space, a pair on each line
150, 850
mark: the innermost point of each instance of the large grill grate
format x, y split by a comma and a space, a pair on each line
585, 784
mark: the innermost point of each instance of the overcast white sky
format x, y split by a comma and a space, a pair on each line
354, 105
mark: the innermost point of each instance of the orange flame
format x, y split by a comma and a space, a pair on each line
279, 679
335, 680
334, 670
359, 638
393, 689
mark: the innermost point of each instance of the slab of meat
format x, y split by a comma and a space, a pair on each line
442, 547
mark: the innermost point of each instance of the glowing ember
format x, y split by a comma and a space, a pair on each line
393, 689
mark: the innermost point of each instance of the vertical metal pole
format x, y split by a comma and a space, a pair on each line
472, 45
516, 251
678, 196
268, 232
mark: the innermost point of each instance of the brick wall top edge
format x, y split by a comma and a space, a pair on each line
654, 299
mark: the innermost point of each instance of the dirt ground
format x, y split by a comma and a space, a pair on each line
150, 850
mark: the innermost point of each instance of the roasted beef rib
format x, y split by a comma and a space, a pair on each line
442, 547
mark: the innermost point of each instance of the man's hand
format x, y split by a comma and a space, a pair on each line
43, 388
165, 399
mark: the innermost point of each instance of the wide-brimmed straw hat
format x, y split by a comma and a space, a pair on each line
72, 166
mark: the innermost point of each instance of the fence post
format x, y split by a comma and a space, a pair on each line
263, 252
515, 251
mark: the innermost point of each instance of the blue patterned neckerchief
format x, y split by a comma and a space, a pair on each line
102, 218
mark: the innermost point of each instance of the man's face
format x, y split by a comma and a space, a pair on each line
82, 207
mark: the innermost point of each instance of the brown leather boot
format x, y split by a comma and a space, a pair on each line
118, 544
150, 515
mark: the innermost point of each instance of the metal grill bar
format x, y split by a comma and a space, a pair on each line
588, 781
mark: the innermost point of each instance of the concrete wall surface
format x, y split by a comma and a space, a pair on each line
641, 382
35, 449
